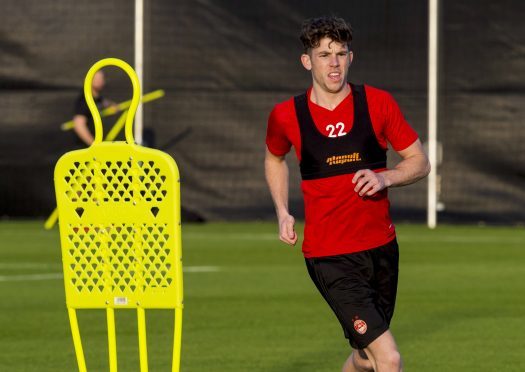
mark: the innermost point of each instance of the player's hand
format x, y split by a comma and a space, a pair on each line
368, 182
286, 230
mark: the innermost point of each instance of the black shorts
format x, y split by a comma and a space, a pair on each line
360, 288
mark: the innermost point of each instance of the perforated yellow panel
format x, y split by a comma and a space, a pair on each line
120, 227
119, 215
123, 181
123, 259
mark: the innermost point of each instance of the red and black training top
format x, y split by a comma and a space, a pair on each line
331, 146
342, 152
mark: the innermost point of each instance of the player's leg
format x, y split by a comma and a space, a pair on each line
386, 267
346, 283
358, 362
365, 321
384, 355
383, 351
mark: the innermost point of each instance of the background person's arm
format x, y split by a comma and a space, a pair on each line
81, 129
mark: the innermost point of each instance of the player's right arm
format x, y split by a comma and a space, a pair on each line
82, 130
276, 171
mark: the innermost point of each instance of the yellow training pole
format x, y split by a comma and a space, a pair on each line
121, 106
51, 220
77, 342
117, 127
112, 340
177, 340
143, 346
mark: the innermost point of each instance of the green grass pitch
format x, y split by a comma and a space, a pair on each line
461, 304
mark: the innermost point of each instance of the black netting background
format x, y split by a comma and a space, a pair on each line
224, 64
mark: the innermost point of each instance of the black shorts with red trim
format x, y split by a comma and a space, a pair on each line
360, 288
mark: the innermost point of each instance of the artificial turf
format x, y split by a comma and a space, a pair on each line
461, 304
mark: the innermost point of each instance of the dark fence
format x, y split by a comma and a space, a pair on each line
224, 64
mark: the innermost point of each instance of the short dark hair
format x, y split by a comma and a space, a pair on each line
315, 29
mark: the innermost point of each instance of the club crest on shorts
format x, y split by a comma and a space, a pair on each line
360, 326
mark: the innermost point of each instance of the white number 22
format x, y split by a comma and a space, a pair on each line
331, 128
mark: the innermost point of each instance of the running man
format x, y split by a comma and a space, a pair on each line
340, 133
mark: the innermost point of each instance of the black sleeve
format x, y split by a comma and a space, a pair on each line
81, 107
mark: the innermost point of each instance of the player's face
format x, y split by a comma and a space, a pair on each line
329, 64
98, 81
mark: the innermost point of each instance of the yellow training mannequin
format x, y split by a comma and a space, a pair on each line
120, 233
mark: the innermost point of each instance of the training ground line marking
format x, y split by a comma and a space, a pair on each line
55, 276
28, 265
446, 238
31, 277
201, 269
460, 239
231, 236
403, 237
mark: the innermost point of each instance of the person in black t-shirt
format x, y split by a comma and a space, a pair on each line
83, 120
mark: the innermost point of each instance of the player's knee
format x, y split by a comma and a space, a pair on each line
364, 366
361, 364
391, 360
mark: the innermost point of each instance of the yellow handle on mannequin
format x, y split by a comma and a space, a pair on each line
91, 102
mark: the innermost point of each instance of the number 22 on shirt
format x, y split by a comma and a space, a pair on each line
337, 130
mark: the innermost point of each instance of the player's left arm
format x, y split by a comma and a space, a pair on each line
413, 167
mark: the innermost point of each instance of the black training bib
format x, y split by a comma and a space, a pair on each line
323, 156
